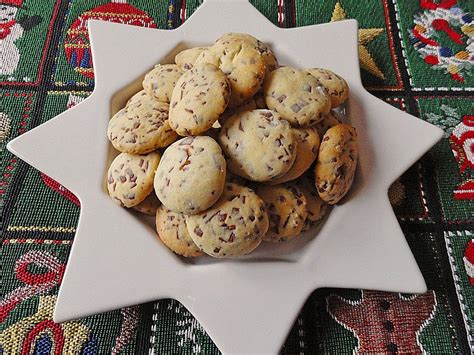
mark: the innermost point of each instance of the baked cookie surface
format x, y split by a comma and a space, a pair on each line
141, 127
297, 96
191, 175
130, 178
286, 206
172, 230
336, 164
198, 99
161, 80
258, 144
337, 87
306, 152
233, 227
242, 63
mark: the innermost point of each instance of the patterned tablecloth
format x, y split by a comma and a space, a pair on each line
417, 55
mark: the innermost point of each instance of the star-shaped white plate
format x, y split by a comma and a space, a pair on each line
246, 306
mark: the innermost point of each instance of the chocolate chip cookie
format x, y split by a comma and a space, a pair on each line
130, 178
336, 164
233, 227
172, 230
286, 206
161, 80
336, 86
297, 96
198, 99
191, 175
258, 144
141, 127
242, 63
185, 59
306, 153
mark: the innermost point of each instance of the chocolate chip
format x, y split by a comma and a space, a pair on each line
198, 231
322, 187
281, 98
295, 108
340, 172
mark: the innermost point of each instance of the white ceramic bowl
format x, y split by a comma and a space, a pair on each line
246, 306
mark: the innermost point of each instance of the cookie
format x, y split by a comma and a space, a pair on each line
241, 62
258, 144
198, 99
286, 207
336, 86
130, 178
233, 227
142, 94
191, 175
161, 80
172, 230
185, 59
327, 122
149, 205
141, 127
297, 96
306, 152
336, 164
269, 57
315, 207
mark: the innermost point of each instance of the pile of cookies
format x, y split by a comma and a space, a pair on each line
226, 148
